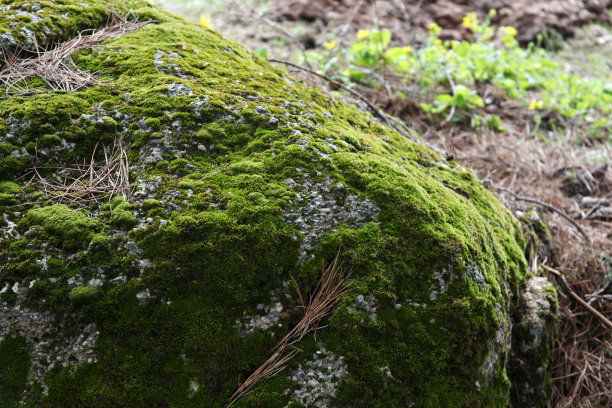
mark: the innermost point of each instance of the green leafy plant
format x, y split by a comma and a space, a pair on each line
447, 77
462, 97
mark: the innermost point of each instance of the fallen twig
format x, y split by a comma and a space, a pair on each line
550, 207
93, 180
54, 66
566, 287
328, 292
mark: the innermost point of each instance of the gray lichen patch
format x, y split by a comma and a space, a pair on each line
320, 206
165, 63
365, 305
260, 322
175, 89
447, 275
537, 301
316, 380
51, 345
533, 337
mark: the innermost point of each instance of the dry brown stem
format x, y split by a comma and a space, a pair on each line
329, 290
567, 288
93, 181
54, 66
550, 207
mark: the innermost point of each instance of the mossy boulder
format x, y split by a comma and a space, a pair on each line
242, 178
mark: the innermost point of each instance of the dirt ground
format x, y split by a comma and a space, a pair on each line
566, 175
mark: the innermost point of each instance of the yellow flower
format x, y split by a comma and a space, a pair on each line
330, 45
204, 21
535, 105
361, 34
509, 30
438, 43
434, 29
470, 20
407, 49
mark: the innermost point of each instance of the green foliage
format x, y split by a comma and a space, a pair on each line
462, 97
446, 76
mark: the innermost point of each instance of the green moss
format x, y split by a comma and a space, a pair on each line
150, 203
123, 219
70, 229
118, 199
216, 254
85, 295
178, 166
10, 166
9, 187
247, 166
14, 367
9, 193
109, 125
153, 123
7, 199
49, 140
162, 165
100, 242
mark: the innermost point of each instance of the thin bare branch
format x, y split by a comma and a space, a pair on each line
329, 290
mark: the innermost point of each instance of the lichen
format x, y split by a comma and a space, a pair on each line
226, 154
533, 338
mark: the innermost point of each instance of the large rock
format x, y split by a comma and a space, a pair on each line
242, 177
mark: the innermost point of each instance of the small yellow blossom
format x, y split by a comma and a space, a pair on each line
204, 21
361, 34
434, 29
438, 43
535, 105
511, 31
470, 20
330, 45
407, 49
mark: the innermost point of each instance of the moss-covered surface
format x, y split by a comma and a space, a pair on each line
14, 366
62, 226
231, 161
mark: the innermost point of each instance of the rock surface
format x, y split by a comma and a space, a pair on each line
242, 177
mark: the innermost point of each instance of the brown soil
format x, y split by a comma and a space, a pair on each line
403, 17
